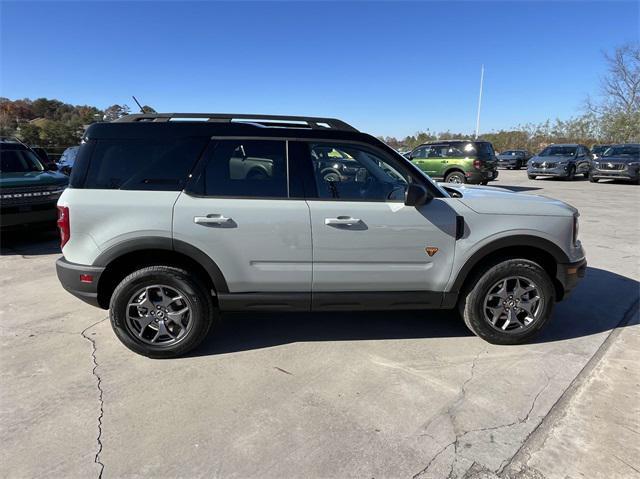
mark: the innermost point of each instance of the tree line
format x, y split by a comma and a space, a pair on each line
48, 122
613, 116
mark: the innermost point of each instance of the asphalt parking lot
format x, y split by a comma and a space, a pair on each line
371, 395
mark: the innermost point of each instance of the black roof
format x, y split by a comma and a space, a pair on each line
173, 125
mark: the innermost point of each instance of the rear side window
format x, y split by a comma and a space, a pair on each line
485, 151
137, 164
246, 169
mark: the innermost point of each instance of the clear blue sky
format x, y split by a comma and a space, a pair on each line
389, 68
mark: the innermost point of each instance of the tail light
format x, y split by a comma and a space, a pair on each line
63, 225
477, 164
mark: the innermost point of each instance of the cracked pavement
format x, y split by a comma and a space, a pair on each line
404, 394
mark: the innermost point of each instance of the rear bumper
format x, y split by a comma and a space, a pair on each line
69, 276
476, 177
570, 274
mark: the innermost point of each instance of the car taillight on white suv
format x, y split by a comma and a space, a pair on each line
63, 225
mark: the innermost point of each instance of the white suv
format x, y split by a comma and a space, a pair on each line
171, 219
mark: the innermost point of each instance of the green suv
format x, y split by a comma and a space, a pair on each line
28, 190
457, 161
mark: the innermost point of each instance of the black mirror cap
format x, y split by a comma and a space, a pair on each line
417, 195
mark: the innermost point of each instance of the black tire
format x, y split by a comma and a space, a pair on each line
571, 173
518, 165
455, 177
202, 312
592, 179
472, 299
531, 177
484, 182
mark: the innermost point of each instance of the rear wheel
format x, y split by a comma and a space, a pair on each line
509, 302
161, 311
484, 182
455, 177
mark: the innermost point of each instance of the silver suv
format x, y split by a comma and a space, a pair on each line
168, 223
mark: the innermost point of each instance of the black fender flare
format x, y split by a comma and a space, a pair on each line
508, 242
168, 244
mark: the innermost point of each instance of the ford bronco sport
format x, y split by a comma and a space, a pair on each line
457, 161
169, 221
29, 190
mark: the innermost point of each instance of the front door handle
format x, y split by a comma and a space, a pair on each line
341, 221
213, 219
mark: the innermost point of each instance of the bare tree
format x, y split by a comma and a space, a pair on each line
621, 86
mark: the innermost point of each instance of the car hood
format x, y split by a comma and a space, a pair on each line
501, 201
552, 159
33, 178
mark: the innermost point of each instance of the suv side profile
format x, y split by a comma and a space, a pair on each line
457, 161
164, 226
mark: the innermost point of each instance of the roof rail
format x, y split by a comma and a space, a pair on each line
262, 120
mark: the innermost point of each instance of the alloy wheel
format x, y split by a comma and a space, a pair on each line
159, 315
513, 304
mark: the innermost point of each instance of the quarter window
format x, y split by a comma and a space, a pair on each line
247, 168
348, 172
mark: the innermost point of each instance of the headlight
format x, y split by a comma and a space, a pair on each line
576, 228
634, 163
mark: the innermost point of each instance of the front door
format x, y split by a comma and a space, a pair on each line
365, 239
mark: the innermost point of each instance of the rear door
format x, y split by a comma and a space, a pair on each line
365, 239
239, 212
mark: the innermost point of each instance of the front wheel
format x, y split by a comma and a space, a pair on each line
161, 311
532, 177
518, 165
456, 177
571, 173
593, 179
484, 182
508, 303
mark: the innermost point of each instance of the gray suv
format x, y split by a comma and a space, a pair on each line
169, 223
560, 160
618, 162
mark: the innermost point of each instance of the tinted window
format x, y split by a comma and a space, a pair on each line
19, 161
247, 168
348, 172
484, 151
134, 164
420, 153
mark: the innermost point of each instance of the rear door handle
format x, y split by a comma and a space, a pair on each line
213, 219
341, 221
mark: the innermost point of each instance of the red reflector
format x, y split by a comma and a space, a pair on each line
86, 278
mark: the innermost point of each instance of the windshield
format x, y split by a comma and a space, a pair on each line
19, 161
559, 151
631, 151
598, 150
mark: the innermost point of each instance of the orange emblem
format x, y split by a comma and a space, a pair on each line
431, 250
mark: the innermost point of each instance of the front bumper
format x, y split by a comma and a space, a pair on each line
509, 163
626, 174
70, 274
20, 215
557, 171
570, 274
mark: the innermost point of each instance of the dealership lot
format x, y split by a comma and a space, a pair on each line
389, 394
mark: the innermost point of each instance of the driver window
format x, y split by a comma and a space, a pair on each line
348, 172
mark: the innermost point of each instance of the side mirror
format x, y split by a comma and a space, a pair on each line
416, 195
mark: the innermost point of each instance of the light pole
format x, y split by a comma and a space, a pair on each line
479, 101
